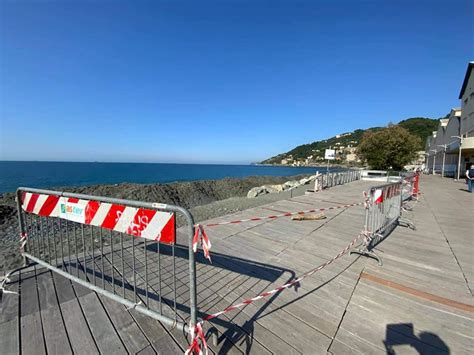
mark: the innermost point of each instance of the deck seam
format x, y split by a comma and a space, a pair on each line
450, 248
60, 310
39, 311
345, 310
82, 310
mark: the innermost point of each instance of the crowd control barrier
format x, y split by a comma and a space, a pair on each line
111, 246
410, 187
383, 212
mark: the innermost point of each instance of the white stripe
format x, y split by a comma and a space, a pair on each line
39, 203
125, 219
26, 200
56, 210
101, 213
156, 225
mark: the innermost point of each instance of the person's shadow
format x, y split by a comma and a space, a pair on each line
424, 343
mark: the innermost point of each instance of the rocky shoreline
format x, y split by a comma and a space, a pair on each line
205, 199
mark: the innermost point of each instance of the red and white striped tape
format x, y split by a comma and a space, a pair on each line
200, 234
197, 330
287, 214
139, 222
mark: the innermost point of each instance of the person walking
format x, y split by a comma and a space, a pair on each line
470, 178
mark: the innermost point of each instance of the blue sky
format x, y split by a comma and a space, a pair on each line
221, 81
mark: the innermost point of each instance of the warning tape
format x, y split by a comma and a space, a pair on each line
287, 214
196, 331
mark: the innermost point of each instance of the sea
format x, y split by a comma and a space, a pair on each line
60, 174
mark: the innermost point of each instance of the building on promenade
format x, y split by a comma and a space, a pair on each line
451, 147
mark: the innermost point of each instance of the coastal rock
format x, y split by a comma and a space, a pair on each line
291, 184
274, 188
256, 191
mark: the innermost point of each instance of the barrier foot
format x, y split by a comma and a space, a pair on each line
214, 335
368, 253
404, 222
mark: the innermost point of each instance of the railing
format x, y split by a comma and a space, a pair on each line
122, 249
327, 180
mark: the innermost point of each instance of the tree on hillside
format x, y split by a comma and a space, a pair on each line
389, 148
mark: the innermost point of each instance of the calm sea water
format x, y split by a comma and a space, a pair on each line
57, 174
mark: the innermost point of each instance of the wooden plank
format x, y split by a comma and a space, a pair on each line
54, 331
148, 351
104, 334
125, 325
9, 337
80, 335
31, 329
29, 293
161, 341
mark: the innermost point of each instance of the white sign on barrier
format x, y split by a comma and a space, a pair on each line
330, 154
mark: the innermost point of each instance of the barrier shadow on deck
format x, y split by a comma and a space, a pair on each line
227, 266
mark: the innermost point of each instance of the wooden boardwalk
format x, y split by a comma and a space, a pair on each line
419, 301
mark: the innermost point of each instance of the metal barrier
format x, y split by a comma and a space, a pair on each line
122, 249
327, 180
410, 185
383, 212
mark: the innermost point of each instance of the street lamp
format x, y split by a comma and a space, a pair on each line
459, 156
444, 157
434, 160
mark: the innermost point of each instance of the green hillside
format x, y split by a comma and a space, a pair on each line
419, 126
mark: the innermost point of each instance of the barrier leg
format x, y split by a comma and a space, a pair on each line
405, 222
213, 334
368, 253
367, 249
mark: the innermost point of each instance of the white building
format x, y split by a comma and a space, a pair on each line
452, 145
466, 130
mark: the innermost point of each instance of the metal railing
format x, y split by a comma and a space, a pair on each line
125, 250
383, 212
331, 179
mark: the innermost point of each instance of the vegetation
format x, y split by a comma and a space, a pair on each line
418, 126
389, 148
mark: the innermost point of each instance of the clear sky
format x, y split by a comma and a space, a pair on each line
222, 81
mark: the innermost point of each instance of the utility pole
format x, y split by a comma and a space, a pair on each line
434, 160
444, 157
459, 156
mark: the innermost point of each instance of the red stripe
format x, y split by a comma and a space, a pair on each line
272, 217
73, 200
49, 205
112, 216
234, 222
32, 202
23, 196
140, 221
256, 219
288, 214
91, 210
168, 233
212, 224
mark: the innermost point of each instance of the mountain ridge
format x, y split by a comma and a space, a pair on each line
422, 127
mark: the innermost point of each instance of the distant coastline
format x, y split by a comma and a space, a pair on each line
62, 174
